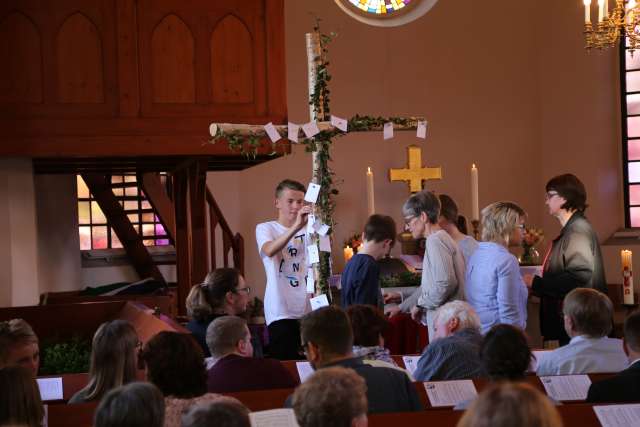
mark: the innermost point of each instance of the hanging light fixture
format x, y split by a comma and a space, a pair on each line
612, 25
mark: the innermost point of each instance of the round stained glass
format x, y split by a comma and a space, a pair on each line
386, 13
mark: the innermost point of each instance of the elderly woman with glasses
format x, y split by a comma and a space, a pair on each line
574, 261
223, 293
493, 284
443, 263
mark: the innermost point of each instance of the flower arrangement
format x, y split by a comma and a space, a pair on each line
530, 238
353, 242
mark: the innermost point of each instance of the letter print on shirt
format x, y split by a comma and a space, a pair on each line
293, 256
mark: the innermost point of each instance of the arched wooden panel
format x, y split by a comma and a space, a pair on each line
21, 71
172, 62
79, 58
232, 62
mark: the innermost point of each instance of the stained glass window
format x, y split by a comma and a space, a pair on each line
94, 228
380, 7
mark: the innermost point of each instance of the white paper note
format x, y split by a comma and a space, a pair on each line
310, 129
422, 130
311, 220
50, 388
410, 363
312, 254
272, 132
566, 387
323, 229
618, 415
273, 418
450, 393
388, 130
304, 370
325, 244
318, 302
311, 284
292, 132
339, 123
313, 190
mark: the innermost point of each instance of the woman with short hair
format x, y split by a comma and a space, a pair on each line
494, 286
114, 360
223, 293
137, 404
575, 260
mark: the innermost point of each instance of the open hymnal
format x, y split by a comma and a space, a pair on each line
618, 415
304, 370
50, 388
566, 387
273, 418
450, 393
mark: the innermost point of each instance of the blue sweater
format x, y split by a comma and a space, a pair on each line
361, 281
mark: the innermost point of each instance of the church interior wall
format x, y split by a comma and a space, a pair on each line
520, 99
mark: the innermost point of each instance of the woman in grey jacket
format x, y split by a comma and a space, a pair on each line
575, 260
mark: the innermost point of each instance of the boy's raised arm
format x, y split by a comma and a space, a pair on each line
272, 247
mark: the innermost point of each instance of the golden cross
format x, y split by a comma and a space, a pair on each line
415, 173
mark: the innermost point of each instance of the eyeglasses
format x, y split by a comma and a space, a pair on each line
246, 289
550, 195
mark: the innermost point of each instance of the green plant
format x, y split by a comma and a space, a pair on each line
65, 357
397, 280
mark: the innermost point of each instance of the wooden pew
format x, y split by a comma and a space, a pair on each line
80, 415
261, 400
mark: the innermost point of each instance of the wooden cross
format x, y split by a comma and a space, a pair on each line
414, 174
320, 114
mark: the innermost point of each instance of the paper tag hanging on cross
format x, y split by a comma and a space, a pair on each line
414, 174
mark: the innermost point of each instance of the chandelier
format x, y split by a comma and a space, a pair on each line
612, 25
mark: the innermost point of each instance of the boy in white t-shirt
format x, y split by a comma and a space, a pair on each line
282, 246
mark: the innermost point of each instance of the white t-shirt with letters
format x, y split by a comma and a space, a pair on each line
286, 292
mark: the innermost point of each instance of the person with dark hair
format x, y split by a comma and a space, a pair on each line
114, 360
588, 319
332, 397
175, 364
20, 403
136, 404
328, 341
236, 369
494, 285
361, 277
624, 387
574, 261
223, 292
451, 222
505, 353
282, 245
223, 413
443, 264
19, 345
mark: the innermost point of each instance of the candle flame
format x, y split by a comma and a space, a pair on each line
368, 169
473, 166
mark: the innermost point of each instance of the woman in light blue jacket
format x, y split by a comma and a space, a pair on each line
494, 285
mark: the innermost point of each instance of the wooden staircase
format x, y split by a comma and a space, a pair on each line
190, 215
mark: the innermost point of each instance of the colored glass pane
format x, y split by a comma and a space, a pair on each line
634, 214
99, 238
85, 238
634, 194
633, 104
380, 7
148, 217
160, 230
115, 242
83, 191
147, 230
133, 218
84, 213
131, 191
633, 147
633, 127
633, 81
130, 205
632, 62
97, 217
634, 171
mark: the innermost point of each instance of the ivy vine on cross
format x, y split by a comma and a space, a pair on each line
246, 139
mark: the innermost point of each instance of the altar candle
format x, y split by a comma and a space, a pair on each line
370, 196
627, 277
587, 11
606, 8
475, 210
600, 10
348, 253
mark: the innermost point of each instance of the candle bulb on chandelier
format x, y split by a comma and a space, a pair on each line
587, 11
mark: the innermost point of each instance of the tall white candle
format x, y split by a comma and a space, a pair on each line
475, 209
627, 277
600, 10
587, 10
370, 193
